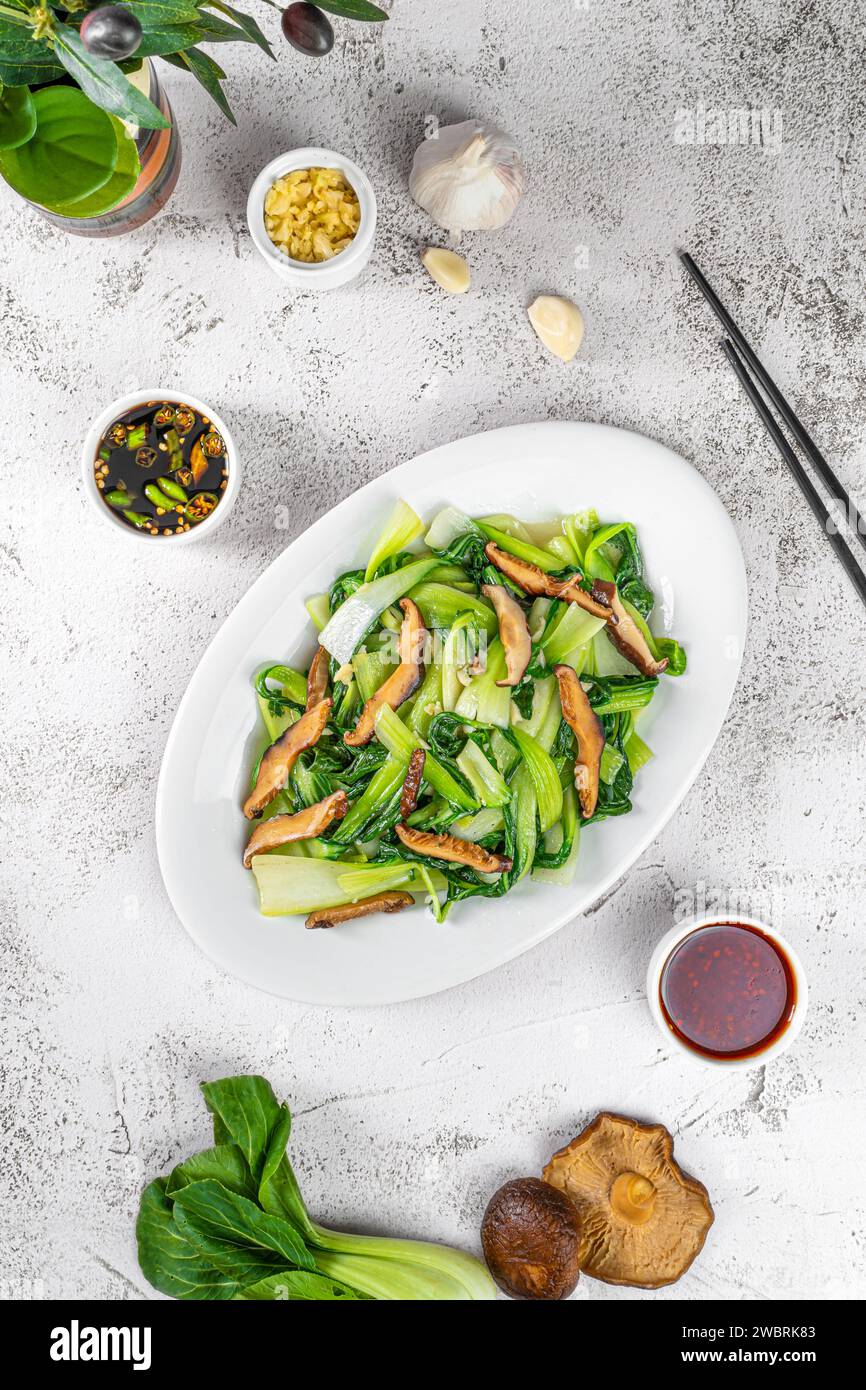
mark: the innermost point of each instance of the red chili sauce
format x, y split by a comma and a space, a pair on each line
728, 990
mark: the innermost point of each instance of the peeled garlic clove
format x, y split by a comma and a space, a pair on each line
558, 323
447, 268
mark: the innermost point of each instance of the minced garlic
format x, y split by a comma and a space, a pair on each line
312, 214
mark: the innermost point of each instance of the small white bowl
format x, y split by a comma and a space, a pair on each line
314, 275
665, 949
119, 407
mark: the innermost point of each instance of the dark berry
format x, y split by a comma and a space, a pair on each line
308, 30
111, 32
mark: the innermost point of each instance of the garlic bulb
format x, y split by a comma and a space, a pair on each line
469, 177
558, 323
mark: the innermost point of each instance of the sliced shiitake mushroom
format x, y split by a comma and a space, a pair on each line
317, 678
437, 846
531, 1240
643, 1219
588, 729
303, 825
624, 632
412, 783
533, 580
278, 761
401, 683
513, 632
382, 902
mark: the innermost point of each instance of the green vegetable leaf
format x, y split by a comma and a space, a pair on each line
17, 117
354, 9
103, 81
242, 1264
245, 22
613, 553
293, 688
124, 178
71, 154
167, 1259
675, 654
247, 1113
616, 694
294, 1284
208, 73
213, 1211
616, 777
225, 1163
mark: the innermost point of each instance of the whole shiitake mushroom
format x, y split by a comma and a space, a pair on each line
531, 1240
643, 1219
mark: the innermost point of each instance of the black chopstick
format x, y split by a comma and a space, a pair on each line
840, 546
795, 425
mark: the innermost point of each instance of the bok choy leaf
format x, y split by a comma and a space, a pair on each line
202, 1239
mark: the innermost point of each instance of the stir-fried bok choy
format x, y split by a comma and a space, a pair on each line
470, 707
230, 1223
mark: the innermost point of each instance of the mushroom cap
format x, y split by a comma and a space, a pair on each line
643, 1219
531, 1240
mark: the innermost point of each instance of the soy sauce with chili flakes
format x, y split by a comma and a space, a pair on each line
161, 467
728, 990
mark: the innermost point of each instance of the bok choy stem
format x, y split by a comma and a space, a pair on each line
353, 619
401, 529
401, 743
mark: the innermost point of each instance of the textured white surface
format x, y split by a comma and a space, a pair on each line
407, 1118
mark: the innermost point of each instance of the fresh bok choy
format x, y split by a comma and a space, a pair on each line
230, 1223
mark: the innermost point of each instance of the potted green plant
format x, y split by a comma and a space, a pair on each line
86, 130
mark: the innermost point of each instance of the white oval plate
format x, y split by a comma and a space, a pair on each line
535, 472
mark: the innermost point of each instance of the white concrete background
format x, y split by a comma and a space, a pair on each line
408, 1118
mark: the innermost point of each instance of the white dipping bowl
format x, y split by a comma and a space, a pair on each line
665, 949
314, 275
91, 448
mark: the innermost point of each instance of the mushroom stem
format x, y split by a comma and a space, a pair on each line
633, 1197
